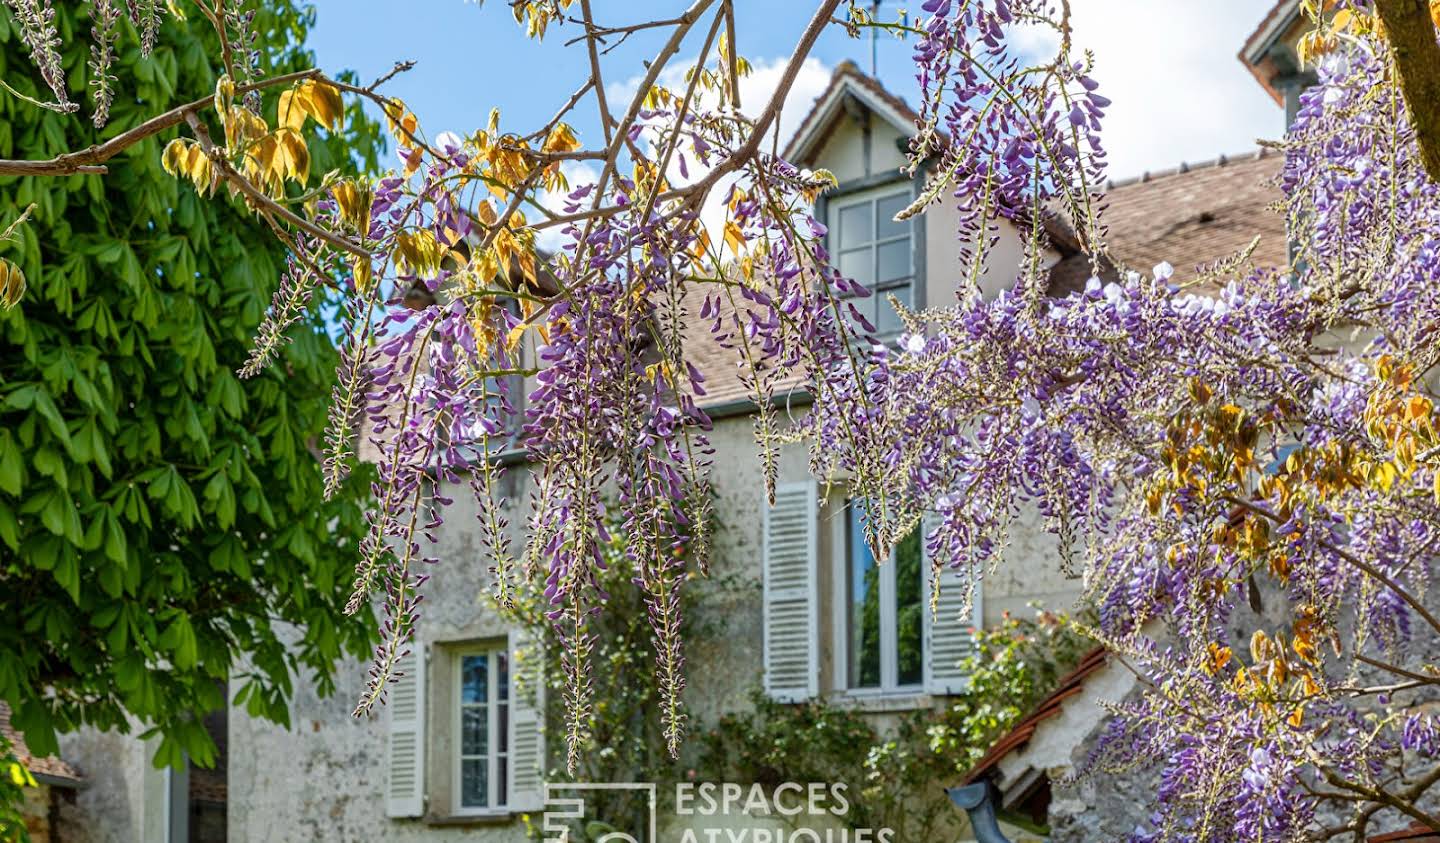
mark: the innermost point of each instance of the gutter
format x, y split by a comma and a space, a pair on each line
722, 410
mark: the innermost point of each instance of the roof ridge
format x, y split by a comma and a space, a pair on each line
1184, 167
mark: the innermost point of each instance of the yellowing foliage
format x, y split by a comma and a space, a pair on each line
12, 284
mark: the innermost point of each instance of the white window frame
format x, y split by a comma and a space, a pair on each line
495, 758
872, 197
889, 624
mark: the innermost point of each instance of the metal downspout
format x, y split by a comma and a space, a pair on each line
978, 802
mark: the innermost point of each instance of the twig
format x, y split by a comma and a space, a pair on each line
731, 54
595, 76
1400, 671
57, 107
399, 68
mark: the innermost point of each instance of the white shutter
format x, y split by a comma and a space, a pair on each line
949, 632
527, 721
405, 783
791, 621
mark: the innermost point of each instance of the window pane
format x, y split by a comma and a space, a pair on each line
502, 727
864, 606
473, 676
473, 737
859, 265
887, 321
857, 227
504, 680
885, 211
909, 610
475, 783
894, 260
503, 781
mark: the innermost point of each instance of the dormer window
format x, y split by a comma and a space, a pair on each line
870, 247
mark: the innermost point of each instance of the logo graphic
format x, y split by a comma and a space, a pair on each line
566, 802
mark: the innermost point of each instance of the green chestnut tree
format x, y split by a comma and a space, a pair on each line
163, 533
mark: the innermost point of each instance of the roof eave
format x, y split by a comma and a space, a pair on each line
1257, 47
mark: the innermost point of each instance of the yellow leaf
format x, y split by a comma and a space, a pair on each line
561, 139
224, 94
291, 113
295, 155
419, 251
1342, 20
325, 105
353, 201
12, 284
512, 339
734, 237
173, 158
1216, 657
401, 121
363, 273
486, 212
701, 245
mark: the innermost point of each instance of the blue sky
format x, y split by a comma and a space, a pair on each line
1180, 94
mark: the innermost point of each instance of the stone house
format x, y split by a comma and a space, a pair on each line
459, 754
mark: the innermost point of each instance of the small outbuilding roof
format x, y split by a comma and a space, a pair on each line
1019, 735
47, 770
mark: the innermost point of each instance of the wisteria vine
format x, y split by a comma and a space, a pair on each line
1244, 469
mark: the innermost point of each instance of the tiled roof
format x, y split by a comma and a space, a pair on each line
1070, 685
50, 768
1194, 215
846, 71
721, 366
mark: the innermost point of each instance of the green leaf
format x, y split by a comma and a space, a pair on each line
179, 640
12, 465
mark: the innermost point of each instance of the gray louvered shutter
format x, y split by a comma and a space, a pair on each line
527, 720
405, 782
791, 608
949, 632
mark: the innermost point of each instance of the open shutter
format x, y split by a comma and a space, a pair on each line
791, 608
405, 785
949, 633
527, 719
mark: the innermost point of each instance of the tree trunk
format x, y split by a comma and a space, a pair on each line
1411, 33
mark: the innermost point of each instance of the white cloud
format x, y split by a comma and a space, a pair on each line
1179, 92
577, 173
756, 90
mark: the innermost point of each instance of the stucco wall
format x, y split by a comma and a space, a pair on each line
324, 779
123, 800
